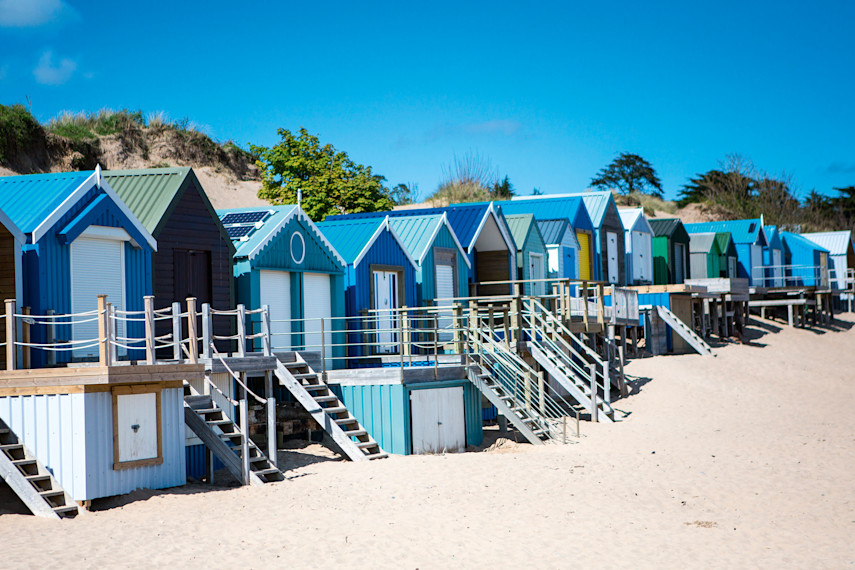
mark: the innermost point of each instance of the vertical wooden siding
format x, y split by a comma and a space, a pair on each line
7, 280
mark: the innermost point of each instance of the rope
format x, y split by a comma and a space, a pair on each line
50, 345
236, 377
217, 388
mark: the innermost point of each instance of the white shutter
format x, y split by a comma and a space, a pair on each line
97, 268
317, 304
276, 292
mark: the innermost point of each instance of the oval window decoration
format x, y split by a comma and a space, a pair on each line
298, 248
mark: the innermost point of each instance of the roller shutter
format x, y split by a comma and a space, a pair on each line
317, 304
276, 292
97, 268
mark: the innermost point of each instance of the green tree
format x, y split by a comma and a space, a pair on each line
503, 190
405, 194
331, 183
629, 173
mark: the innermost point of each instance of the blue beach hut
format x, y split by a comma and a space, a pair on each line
284, 261
562, 248
806, 261
531, 253
81, 241
380, 278
773, 258
749, 237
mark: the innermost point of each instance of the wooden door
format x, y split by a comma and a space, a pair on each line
584, 255
192, 271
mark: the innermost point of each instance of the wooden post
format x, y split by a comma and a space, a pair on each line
435, 346
148, 301
506, 323
401, 345
176, 332
592, 370
244, 428
207, 330
621, 352
601, 316
585, 318
323, 352
111, 330
541, 391
405, 326
516, 311
607, 382
10, 334
271, 417
241, 330
103, 350
192, 337
457, 311
266, 338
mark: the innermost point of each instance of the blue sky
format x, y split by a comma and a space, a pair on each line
548, 92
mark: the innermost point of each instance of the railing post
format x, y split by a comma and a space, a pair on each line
244, 428
176, 332
192, 335
405, 327
10, 334
271, 417
457, 326
506, 322
25, 338
207, 330
241, 330
111, 331
266, 339
585, 318
149, 328
323, 351
435, 346
401, 345
541, 390
600, 306
607, 382
103, 340
516, 310
592, 370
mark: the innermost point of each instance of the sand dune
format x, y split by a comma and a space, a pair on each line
744, 460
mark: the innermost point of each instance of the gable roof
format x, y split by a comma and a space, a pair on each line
742, 231
13, 229
665, 226
791, 240
703, 243
353, 237
633, 219
553, 230
773, 237
725, 242
265, 230
520, 226
573, 208
837, 243
35, 202
152, 194
419, 232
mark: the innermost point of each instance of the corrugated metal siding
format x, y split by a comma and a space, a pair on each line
47, 275
744, 268
101, 479
385, 251
51, 426
195, 457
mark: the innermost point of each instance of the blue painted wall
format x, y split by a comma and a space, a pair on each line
384, 411
426, 275
47, 273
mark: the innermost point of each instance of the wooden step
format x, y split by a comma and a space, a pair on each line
206, 411
4, 431
356, 433
52, 493
305, 376
366, 444
380, 455
315, 387
222, 422
345, 421
335, 410
65, 509
264, 472
322, 399
22, 462
11, 447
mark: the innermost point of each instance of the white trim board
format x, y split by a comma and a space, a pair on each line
385, 225
301, 215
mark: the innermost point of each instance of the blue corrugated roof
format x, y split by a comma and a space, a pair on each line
796, 240
741, 231
29, 200
572, 207
350, 236
596, 203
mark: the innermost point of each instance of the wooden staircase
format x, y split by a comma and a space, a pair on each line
29, 479
327, 410
684, 331
220, 434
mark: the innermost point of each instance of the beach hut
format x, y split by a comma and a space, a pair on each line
380, 278
773, 258
483, 233
806, 262
531, 253
570, 207
638, 237
443, 267
194, 252
11, 241
728, 261
670, 251
81, 241
562, 248
841, 255
704, 256
749, 239
283, 260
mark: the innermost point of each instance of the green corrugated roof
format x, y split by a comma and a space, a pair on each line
415, 232
148, 192
349, 236
724, 242
520, 224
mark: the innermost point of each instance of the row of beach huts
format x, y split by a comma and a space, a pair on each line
148, 338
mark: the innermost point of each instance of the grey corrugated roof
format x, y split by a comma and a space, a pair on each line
664, 226
553, 230
838, 243
701, 243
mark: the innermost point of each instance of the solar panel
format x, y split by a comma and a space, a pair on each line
244, 217
236, 232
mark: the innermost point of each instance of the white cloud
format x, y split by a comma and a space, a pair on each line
49, 73
33, 13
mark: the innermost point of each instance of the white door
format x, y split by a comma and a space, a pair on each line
317, 305
679, 263
639, 256
438, 420
536, 271
136, 424
97, 268
276, 292
445, 290
757, 270
385, 301
612, 253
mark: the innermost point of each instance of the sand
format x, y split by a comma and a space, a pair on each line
743, 460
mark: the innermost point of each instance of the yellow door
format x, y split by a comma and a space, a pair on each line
584, 255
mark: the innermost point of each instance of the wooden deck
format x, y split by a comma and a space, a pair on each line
94, 378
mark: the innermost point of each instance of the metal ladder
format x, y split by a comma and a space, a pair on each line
684, 331
225, 440
327, 410
29, 479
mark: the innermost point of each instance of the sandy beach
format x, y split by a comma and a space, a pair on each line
743, 460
